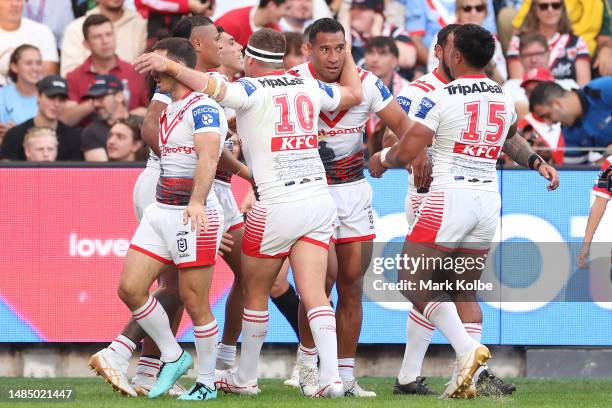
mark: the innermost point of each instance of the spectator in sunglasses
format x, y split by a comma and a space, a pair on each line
568, 54
475, 12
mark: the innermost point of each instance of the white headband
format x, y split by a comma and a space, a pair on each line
263, 55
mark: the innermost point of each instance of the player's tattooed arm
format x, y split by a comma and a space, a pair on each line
519, 150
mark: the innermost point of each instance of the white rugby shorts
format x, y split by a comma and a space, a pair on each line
355, 221
144, 190
232, 216
162, 236
271, 230
457, 220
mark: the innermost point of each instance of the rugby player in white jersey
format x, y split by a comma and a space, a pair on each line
468, 121
183, 227
419, 331
341, 149
112, 362
276, 122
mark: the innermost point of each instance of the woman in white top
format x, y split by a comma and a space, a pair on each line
475, 12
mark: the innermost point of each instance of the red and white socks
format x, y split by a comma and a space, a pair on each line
307, 356
123, 347
443, 314
148, 367
154, 321
419, 332
206, 347
322, 321
474, 330
226, 356
345, 368
254, 331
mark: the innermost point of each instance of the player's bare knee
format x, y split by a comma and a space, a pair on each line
131, 294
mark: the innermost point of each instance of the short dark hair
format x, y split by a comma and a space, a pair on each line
382, 43
293, 43
94, 20
324, 25
16, 56
475, 44
178, 49
306, 33
544, 92
183, 27
526, 39
264, 3
445, 32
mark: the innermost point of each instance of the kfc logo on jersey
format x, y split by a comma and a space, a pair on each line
482, 151
301, 142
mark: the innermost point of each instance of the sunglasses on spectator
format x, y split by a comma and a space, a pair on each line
548, 6
479, 8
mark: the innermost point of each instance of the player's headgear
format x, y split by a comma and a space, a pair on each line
475, 43
266, 45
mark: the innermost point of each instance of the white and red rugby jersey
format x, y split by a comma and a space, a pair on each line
276, 119
179, 123
470, 117
341, 132
600, 191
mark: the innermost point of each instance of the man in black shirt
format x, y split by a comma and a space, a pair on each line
52, 95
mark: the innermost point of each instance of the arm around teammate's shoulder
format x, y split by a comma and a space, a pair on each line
351, 92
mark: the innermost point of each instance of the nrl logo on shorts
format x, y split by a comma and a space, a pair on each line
182, 244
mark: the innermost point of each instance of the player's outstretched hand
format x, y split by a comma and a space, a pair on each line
582, 262
421, 170
196, 213
227, 242
376, 168
549, 173
150, 62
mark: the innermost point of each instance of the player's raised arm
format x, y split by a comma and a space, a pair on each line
202, 82
351, 92
521, 152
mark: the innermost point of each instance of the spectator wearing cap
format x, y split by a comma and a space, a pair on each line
425, 18
100, 39
367, 22
128, 25
533, 53
545, 137
18, 98
16, 30
52, 95
106, 94
40, 145
241, 23
584, 115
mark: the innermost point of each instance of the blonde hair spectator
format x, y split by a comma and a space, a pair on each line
40, 145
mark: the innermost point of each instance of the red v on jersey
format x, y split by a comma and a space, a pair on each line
332, 121
165, 129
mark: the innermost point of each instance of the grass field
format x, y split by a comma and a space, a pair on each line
94, 393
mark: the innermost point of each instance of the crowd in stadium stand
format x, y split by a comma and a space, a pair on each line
68, 91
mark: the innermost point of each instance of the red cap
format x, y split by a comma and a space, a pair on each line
540, 74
